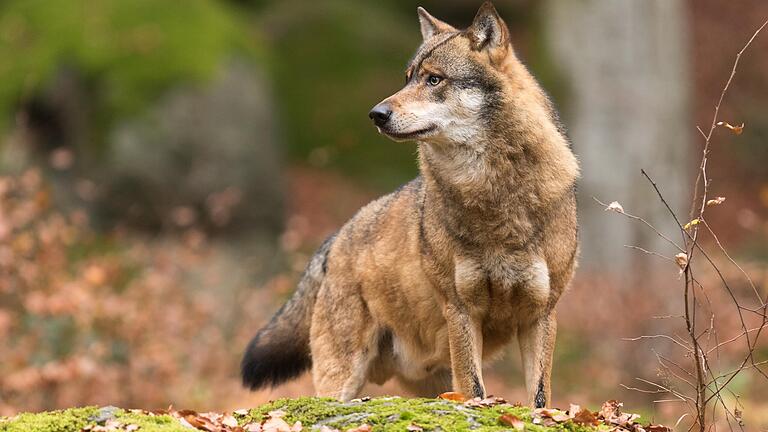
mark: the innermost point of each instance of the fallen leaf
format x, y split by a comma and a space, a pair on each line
276, 424
615, 206
414, 428
612, 408
715, 201
252, 427
229, 421
453, 396
132, 427
362, 428
546, 412
657, 428
512, 420
194, 421
585, 417
241, 412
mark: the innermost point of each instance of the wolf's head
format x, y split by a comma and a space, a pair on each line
455, 83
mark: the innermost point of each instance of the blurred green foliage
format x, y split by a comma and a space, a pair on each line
335, 61
327, 64
331, 66
127, 52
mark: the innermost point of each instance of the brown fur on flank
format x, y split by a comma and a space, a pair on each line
426, 283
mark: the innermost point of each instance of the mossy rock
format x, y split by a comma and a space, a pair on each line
75, 419
315, 414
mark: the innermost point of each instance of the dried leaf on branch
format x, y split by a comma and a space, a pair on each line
738, 130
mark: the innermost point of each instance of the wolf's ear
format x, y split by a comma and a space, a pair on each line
488, 30
430, 25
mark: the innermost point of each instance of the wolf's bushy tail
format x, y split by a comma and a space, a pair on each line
280, 350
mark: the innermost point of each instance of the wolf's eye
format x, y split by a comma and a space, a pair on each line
433, 80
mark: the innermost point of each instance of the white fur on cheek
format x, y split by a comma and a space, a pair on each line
457, 119
464, 124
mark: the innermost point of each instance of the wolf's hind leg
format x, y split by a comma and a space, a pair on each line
344, 342
537, 343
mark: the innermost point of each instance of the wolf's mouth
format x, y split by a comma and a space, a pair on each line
408, 135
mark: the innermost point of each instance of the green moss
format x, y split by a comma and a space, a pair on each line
71, 420
383, 414
160, 423
395, 414
74, 419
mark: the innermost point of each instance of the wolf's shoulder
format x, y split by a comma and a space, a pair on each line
401, 198
396, 207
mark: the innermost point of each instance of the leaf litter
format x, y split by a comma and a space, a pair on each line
610, 414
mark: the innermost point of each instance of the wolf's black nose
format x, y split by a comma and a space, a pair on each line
380, 114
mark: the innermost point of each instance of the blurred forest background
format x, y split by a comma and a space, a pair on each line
168, 168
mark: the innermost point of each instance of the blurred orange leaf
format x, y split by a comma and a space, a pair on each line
716, 201
512, 420
585, 417
735, 129
453, 396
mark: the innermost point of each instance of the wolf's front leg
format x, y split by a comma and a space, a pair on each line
537, 343
465, 340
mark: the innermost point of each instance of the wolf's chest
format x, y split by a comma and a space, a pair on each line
503, 286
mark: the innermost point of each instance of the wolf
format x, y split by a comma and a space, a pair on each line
429, 282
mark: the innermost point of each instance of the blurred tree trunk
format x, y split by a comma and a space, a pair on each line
625, 64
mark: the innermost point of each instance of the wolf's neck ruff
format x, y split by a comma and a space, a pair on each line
523, 167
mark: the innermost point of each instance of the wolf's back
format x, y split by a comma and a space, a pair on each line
280, 350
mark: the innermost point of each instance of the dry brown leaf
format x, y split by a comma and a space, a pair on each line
585, 417
612, 408
682, 260
657, 428
362, 428
275, 424
194, 421
229, 421
512, 420
453, 396
738, 130
252, 427
715, 201
545, 412
414, 428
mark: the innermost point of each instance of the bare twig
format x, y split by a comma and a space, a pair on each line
707, 385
